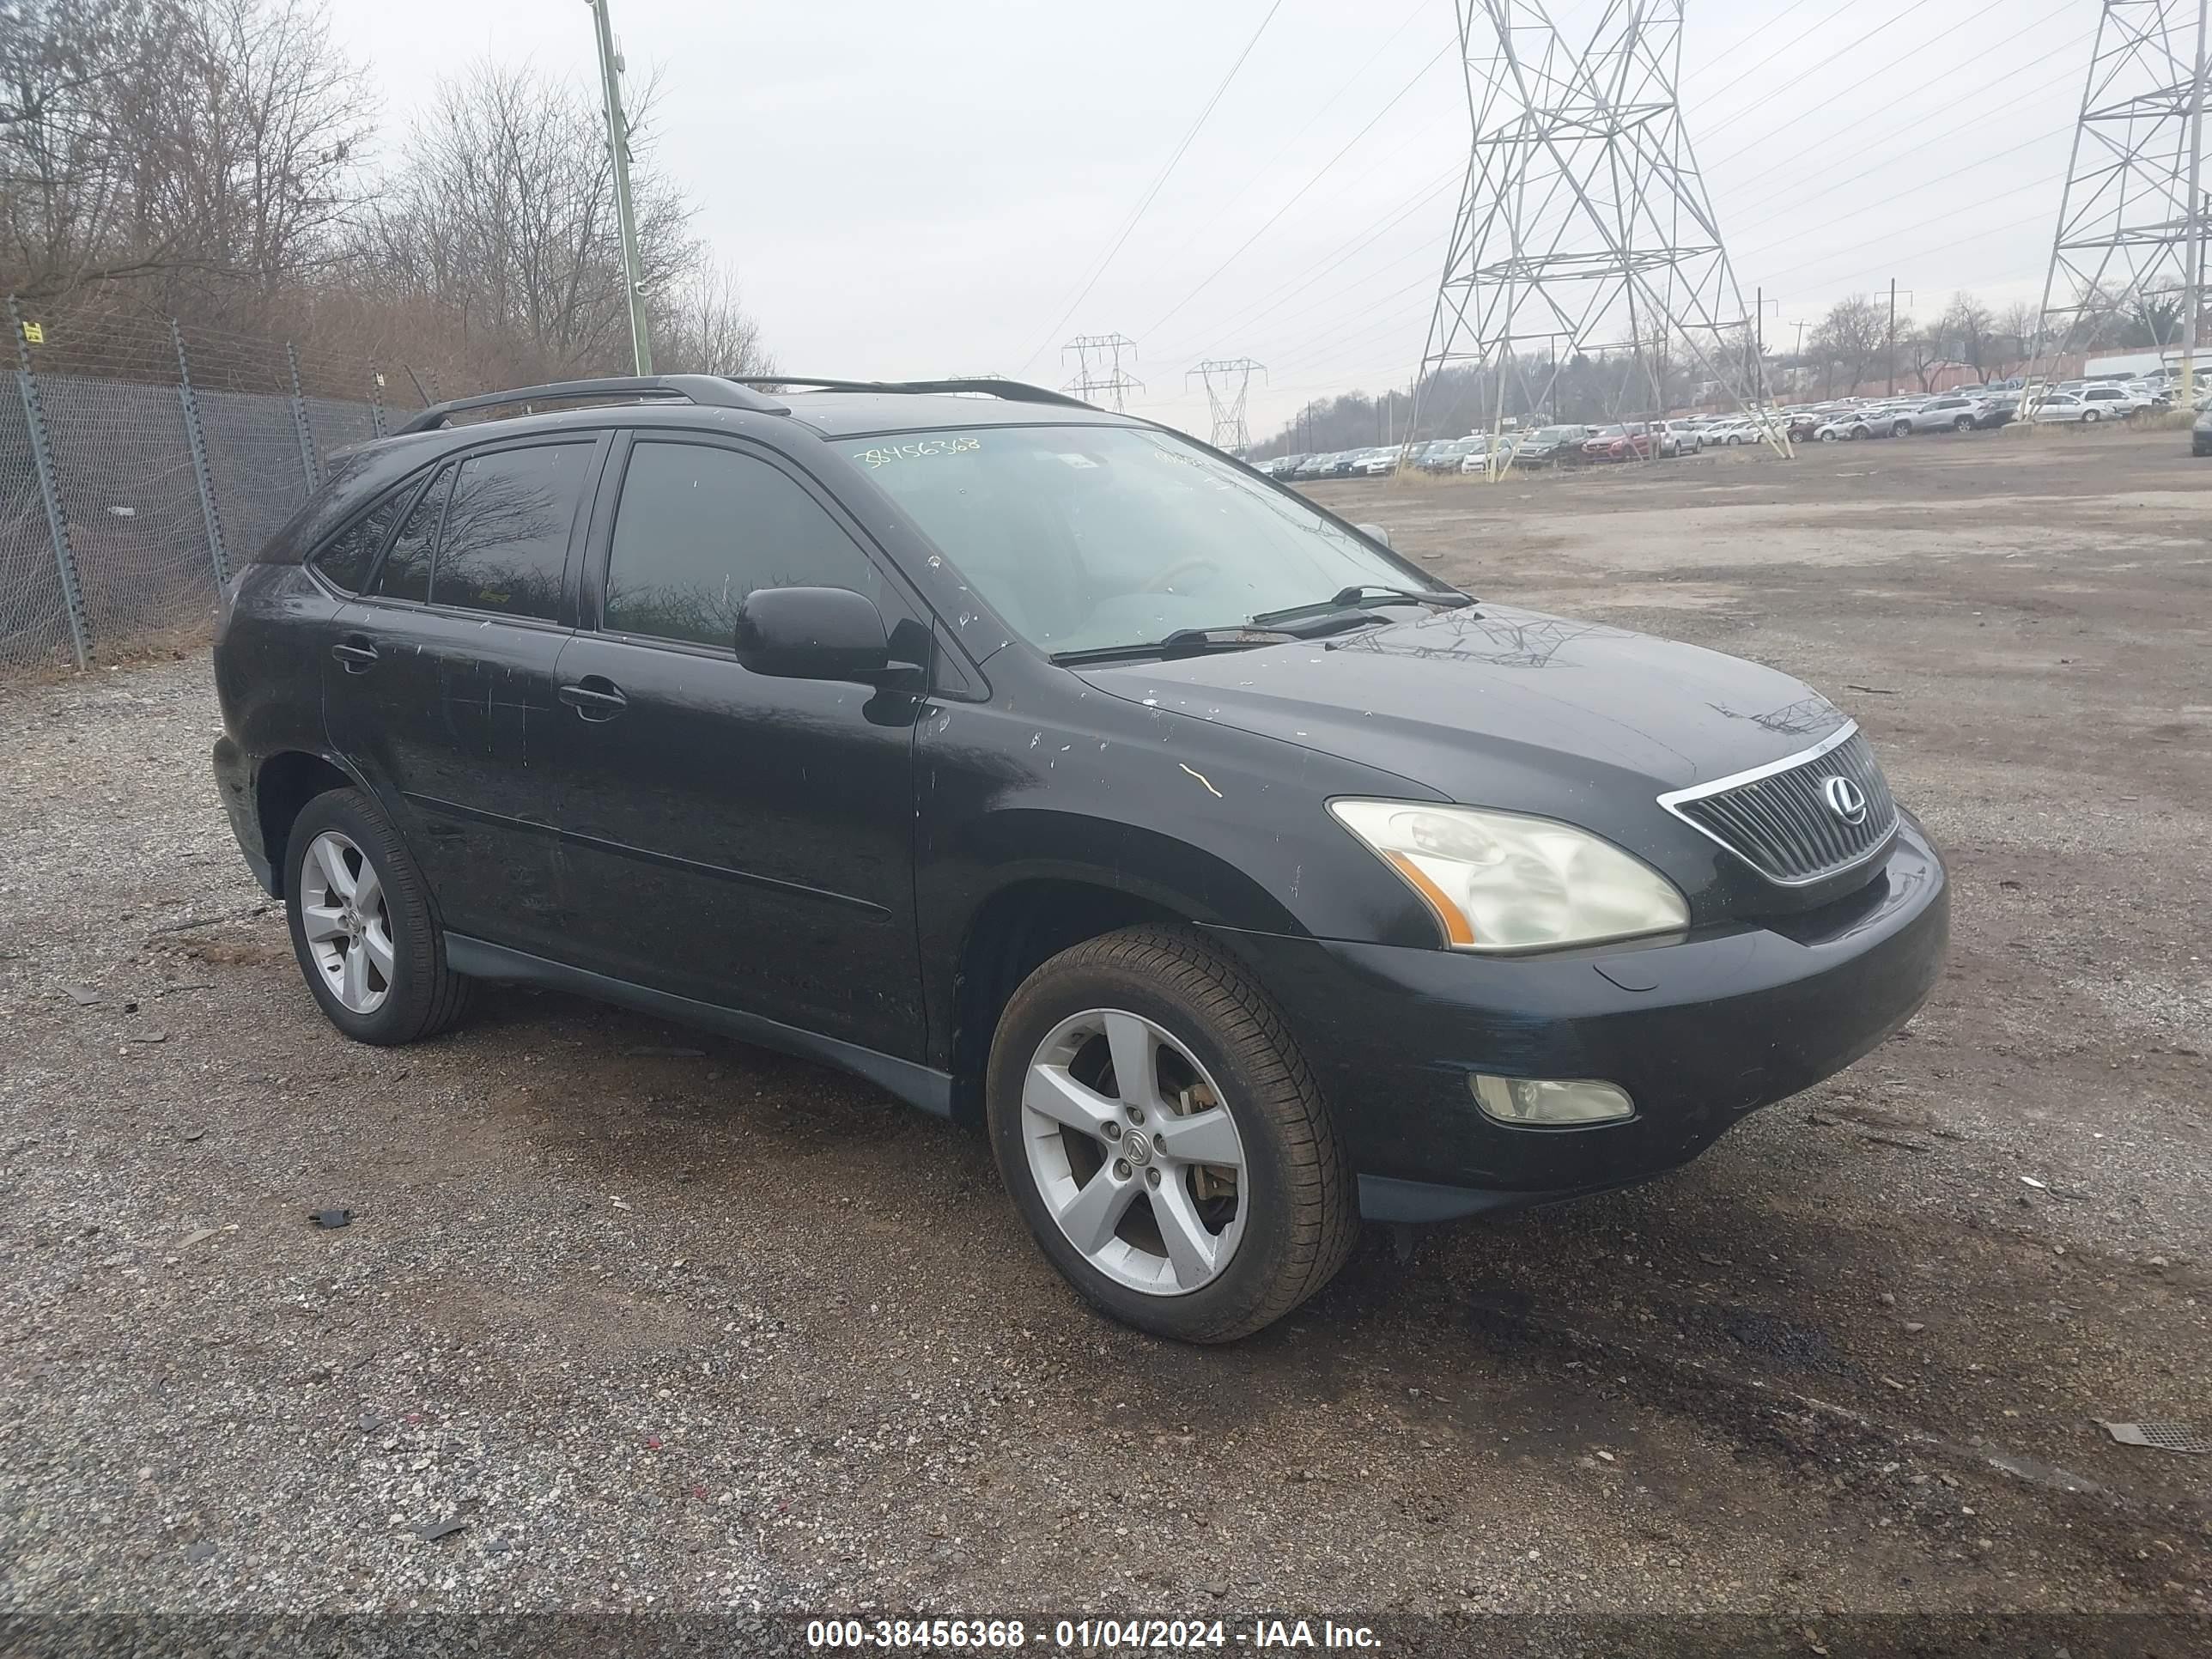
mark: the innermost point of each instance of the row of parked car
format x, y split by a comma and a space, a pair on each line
1965, 408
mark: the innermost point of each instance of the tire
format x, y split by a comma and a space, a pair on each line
1829, 437
1295, 1215
2091, 416
420, 996
1964, 423
1901, 429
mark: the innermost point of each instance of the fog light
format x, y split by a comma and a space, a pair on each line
1550, 1100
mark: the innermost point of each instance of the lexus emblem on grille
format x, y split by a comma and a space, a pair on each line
1846, 800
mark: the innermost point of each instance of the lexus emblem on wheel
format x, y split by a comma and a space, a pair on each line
1846, 800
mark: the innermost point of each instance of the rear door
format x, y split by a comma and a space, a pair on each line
440, 691
736, 839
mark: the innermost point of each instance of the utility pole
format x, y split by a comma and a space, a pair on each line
611, 69
1891, 353
2192, 284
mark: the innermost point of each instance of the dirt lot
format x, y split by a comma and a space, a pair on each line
726, 1330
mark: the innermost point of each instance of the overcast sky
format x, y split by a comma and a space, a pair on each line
910, 190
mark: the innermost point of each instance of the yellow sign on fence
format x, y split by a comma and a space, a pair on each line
34, 334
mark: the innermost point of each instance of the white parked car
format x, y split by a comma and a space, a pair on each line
1948, 413
2060, 406
1377, 464
2115, 401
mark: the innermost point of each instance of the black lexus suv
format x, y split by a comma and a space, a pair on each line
1057, 772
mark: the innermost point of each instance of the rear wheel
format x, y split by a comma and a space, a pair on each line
361, 927
2091, 416
1163, 1139
1964, 423
1901, 429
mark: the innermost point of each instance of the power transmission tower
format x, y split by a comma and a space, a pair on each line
1583, 228
2132, 221
1098, 367
1224, 401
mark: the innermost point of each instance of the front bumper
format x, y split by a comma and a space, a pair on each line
1699, 1032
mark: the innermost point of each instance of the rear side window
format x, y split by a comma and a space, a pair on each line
406, 573
505, 543
347, 558
698, 528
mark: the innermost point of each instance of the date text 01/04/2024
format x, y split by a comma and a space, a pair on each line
1010, 1635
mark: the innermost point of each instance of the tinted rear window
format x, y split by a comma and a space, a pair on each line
505, 545
347, 558
406, 573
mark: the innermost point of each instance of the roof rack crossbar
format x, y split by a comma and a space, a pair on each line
711, 390
1011, 391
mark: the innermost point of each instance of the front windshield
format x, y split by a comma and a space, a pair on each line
1089, 537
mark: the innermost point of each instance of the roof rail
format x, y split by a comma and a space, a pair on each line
1011, 391
711, 390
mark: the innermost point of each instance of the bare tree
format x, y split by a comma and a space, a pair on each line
75, 79
1851, 336
700, 328
2015, 331
252, 162
1964, 328
501, 212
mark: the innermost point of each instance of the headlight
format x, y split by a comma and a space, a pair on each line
1498, 881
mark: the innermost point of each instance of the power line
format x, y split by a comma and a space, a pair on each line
1356, 243
1919, 141
1099, 270
1884, 69
1304, 188
1728, 86
1926, 184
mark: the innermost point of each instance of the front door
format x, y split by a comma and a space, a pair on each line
735, 839
440, 688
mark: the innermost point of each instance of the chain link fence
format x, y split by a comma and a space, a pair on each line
141, 462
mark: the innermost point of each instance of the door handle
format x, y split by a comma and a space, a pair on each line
595, 697
355, 652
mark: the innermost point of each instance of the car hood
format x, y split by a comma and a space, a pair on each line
1496, 706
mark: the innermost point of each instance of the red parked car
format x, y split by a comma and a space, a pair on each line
1631, 440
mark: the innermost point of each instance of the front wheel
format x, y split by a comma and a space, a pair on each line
362, 926
2090, 418
1964, 423
1163, 1139
1901, 429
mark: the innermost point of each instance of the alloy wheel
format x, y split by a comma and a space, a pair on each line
1133, 1152
347, 922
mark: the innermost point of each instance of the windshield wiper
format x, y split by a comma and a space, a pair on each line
1358, 597
1184, 642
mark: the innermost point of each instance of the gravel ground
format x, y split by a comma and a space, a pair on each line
718, 1329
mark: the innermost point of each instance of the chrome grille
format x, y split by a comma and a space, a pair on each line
1778, 817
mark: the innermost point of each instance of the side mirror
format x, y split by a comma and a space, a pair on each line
812, 634
1373, 533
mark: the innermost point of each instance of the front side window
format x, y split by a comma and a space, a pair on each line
1087, 538
698, 528
505, 543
